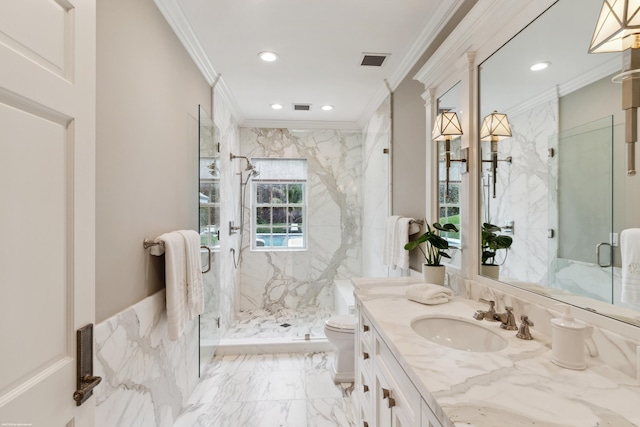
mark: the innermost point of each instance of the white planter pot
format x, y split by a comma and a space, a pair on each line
491, 271
433, 274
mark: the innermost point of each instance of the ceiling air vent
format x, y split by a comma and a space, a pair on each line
301, 107
373, 59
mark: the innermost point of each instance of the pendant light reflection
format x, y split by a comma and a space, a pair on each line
445, 128
618, 30
495, 127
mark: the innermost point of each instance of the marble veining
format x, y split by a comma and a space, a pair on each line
146, 378
269, 390
520, 383
273, 280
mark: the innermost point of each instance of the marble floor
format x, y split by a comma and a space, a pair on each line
265, 324
269, 390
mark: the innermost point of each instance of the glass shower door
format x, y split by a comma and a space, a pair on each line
581, 211
209, 220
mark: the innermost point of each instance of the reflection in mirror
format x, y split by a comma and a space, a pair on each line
557, 194
450, 172
209, 213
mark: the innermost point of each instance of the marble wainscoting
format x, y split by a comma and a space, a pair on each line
146, 378
273, 280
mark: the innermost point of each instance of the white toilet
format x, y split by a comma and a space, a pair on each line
339, 330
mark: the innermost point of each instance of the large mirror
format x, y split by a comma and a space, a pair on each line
450, 171
553, 185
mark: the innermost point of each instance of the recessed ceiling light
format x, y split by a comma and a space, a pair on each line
539, 66
327, 107
276, 106
268, 56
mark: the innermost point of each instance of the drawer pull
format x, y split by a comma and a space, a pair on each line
385, 393
365, 355
392, 402
365, 328
365, 388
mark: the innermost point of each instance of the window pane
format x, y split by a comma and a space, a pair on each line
279, 218
295, 216
215, 192
295, 194
205, 192
263, 193
279, 193
454, 193
441, 192
443, 214
263, 216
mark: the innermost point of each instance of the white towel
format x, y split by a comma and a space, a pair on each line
389, 241
630, 250
193, 260
400, 254
176, 283
428, 293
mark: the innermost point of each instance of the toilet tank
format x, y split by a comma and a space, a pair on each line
343, 300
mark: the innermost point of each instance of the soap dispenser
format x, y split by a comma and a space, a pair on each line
568, 340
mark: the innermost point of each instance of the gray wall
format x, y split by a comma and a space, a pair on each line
148, 91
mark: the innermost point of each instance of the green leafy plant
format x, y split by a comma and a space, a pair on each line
436, 245
492, 242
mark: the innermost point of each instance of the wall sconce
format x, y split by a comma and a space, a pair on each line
495, 127
447, 126
618, 30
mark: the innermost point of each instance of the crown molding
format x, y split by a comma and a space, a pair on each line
550, 95
606, 69
483, 31
174, 15
301, 124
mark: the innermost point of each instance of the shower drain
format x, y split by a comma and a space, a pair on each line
285, 325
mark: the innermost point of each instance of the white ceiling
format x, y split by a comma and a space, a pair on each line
320, 44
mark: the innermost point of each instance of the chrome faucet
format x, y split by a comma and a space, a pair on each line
523, 331
507, 319
486, 315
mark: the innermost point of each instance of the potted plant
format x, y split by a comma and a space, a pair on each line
491, 243
436, 247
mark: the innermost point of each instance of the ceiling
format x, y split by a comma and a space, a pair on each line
320, 44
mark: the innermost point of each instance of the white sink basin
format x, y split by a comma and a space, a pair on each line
458, 333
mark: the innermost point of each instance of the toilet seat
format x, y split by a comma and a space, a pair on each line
345, 324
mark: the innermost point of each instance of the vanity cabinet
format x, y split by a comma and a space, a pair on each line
385, 396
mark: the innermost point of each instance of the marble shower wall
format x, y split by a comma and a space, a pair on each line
146, 378
375, 191
522, 191
273, 280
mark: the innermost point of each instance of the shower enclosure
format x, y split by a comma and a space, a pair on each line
209, 220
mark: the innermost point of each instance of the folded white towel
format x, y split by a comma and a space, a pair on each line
400, 254
630, 250
195, 293
389, 241
176, 283
428, 293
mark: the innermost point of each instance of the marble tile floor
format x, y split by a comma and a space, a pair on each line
269, 390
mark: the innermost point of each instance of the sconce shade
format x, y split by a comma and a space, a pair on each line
618, 27
447, 125
495, 126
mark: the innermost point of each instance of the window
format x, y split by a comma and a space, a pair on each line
449, 204
279, 204
209, 202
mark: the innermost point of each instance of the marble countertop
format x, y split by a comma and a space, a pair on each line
517, 386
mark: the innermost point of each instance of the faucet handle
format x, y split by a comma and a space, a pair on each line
523, 331
492, 304
489, 314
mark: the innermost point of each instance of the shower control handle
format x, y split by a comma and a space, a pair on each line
365, 328
365, 355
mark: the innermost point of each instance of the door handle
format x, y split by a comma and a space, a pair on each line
86, 381
598, 254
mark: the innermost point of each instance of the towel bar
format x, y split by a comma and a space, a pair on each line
147, 243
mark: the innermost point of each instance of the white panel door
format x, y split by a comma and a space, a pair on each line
47, 226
